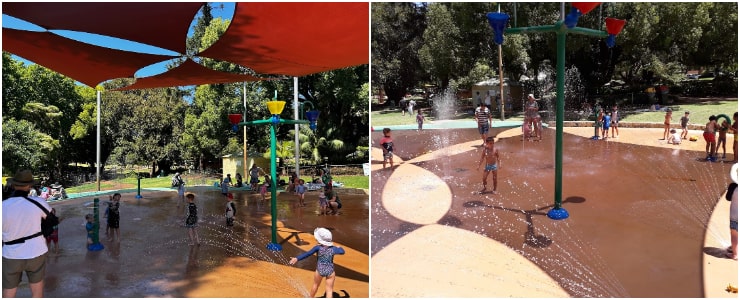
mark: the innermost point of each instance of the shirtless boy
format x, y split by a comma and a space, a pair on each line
493, 162
709, 137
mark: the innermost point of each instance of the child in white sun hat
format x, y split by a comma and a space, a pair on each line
325, 252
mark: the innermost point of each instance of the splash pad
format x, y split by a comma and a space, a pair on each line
639, 216
153, 258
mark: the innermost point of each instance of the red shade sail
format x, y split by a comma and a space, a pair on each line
295, 39
292, 39
163, 24
83, 62
188, 73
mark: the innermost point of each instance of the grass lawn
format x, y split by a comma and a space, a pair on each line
700, 112
349, 181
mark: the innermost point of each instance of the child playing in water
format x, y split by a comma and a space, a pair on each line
491, 157
615, 121
230, 209
709, 137
191, 219
90, 228
722, 140
387, 144
325, 252
685, 125
667, 123
114, 217
674, 138
300, 190
263, 188
607, 121
323, 203
419, 119
53, 239
527, 130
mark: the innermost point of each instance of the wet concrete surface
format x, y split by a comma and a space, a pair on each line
153, 258
638, 214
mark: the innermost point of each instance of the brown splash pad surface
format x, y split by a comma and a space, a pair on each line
638, 213
154, 259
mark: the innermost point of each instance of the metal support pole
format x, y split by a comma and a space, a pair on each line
296, 128
244, 132
97, 147
559, 127
501, 76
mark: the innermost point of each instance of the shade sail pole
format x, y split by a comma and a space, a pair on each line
244, 131
296, 117
97, 146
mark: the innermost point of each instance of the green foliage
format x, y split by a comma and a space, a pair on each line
396, 37
659, 43
24, 147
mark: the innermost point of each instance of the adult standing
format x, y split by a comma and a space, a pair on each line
254, 177
532, 115
24, 247
477, 98
180, 189
326, 178
484, 118
412, 103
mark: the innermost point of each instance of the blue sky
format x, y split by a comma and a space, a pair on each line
224, 10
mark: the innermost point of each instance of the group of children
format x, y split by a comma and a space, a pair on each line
715, 135
713, 142
608, 120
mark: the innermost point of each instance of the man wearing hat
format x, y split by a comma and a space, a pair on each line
24, 247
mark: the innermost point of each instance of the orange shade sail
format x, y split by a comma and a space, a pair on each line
83, 62
188, 73
293, 39
162, 24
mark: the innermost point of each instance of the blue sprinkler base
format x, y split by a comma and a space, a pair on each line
139, 197
95, 247
557, 214
274, 247
595, 137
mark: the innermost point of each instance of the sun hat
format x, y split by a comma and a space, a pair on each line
734, 172
323, 236
22, 178
530, 95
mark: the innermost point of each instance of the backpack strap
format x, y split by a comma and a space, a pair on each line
23, 239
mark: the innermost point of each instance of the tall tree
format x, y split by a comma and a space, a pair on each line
397, 29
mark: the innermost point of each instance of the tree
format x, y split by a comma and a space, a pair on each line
24, 147
396, 37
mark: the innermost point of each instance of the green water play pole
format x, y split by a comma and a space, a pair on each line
560, 30
274, 245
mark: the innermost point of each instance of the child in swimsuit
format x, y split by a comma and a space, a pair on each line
722, 139
491, 157
667, 123
709, 137
325, 252
387, 143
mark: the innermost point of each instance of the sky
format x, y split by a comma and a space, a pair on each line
224, 10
